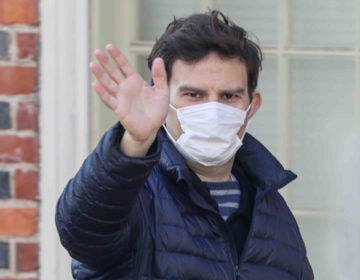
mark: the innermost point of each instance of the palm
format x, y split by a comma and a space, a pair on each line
140, 108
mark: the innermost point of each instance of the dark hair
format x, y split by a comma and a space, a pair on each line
191, 39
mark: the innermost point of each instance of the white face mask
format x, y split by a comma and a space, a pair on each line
210, 135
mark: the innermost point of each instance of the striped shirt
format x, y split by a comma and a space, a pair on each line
227, 196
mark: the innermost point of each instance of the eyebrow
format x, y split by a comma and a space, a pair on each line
190, 88
239, 90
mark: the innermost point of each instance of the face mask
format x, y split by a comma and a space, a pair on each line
210, 132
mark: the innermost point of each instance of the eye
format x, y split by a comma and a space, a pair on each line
229, 96
194, 95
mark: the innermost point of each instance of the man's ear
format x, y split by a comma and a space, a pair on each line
255, 104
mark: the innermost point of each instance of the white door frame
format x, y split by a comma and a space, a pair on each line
64, 141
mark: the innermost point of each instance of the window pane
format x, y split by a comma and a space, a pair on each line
256, 16
103, 23
264, 124
324, 130
155, 15
323, 23
333, 246
143, 68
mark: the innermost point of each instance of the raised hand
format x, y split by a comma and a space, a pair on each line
140, 108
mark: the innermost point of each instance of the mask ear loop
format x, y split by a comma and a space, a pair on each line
169, 134
247, 123
172, 107
248, 108
166, 130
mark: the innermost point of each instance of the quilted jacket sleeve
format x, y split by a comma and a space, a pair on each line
97, 214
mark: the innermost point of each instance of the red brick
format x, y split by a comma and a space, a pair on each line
21, 222
27, 45
19, 11
27, 117
26, 184
16, 79
27, 257
15, 149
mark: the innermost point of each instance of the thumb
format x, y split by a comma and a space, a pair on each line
158, 74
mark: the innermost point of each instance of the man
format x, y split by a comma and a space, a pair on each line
176, 190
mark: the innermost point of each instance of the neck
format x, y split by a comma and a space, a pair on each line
213, 173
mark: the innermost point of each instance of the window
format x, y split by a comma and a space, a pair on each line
310, 118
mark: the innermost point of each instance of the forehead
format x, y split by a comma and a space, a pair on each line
211, 70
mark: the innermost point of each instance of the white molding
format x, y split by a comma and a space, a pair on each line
63, 117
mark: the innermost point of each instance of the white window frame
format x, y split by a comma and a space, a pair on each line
63, 117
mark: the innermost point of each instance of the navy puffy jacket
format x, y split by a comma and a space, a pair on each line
151, 218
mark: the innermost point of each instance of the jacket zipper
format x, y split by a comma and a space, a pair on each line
251, 228
237, 272
234, 258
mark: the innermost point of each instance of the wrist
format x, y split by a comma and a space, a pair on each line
135, 148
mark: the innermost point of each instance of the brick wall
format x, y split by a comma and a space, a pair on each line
19, 160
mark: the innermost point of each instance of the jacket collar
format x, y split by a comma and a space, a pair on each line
171, 160
262, 168
175, 166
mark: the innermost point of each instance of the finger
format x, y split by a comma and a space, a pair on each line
121, 61
159, 75
105, 97
103, 78
109, 68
